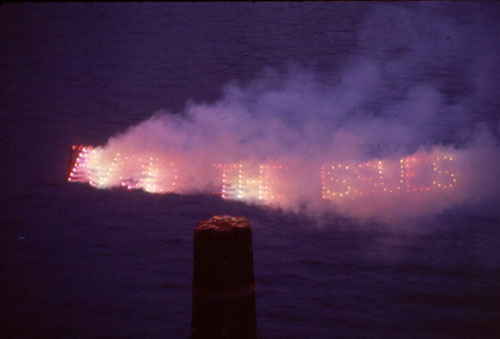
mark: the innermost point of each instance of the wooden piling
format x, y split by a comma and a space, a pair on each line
223, 280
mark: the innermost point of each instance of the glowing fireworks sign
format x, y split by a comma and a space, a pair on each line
417, 174
250, 183
152, 174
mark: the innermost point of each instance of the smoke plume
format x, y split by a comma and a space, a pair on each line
394, 113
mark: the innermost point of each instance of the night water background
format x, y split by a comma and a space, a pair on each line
82, 262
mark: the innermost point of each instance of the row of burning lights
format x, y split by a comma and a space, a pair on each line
339, 185
236, 185
339, 181
148, 174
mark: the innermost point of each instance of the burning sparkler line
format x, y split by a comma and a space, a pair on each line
418, 173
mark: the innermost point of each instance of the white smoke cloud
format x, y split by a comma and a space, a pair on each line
382, 107
295, 121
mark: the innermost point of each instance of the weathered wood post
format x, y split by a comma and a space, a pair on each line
223, 279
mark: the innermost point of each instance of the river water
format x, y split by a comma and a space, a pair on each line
82, 262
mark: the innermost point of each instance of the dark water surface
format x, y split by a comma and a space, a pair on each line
81, 262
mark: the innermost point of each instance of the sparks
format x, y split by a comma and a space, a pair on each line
266, 183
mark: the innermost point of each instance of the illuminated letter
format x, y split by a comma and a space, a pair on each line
337, 181
444, 176
416, 173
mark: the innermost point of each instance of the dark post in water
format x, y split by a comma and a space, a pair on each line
223, 279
